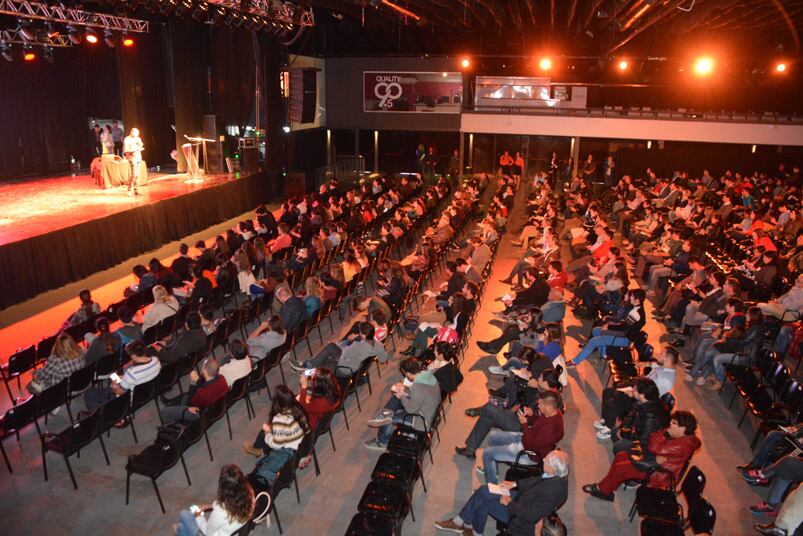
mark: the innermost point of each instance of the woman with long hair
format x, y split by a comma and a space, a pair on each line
231, 509
280, 437
313, 292
318, 395
104, 343
65, 358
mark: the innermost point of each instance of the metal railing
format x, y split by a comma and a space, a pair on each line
346, 169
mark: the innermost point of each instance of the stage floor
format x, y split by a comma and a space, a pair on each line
40, 206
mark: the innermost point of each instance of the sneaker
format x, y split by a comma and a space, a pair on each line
374, 445
249, 448
764, 508
498, 371
715, 385
604, 433
755, 478
689, 377
381, 419
449, 525
599, 424
701, 380
463, 451
55, 411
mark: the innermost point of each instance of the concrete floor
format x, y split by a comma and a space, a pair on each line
28, 505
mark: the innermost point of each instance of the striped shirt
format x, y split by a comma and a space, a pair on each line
140, 373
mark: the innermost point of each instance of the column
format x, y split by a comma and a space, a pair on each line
462, 154
376, 151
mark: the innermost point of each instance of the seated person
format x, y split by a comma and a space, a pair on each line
418, 394
669, 448
791, 301
193, 339
318, 394
141, 368
279, 438
789, 519
292, 311
268, 335
102, 344
232, 508
529, 501
130, 329
86, 310
204, 391
548, 344
65, 358
780, 475
772, 445
349, 353
541, 432
164, 306
237, 364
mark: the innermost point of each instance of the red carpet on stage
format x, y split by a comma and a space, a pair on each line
58, 230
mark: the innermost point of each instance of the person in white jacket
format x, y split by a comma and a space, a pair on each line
231, 509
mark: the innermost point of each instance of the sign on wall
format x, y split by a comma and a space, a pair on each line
402, 91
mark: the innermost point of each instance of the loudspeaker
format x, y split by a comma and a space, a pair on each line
214, 150
249, 159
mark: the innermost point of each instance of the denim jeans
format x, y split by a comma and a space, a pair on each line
784, 339
704, 357
419, 344
384, 432
720, 360
482, 504
187, 526
502, 447
491, 417
600, 342
513, 363
771, 442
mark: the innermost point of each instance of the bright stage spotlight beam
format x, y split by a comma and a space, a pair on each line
465, 62
780, 67
704, 66
623, 65
545, 64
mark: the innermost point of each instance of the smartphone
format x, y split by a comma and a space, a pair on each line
195, 509
114, 377
309, 372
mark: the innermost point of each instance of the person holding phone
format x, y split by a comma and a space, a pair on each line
141, 368
231, 509
205, 390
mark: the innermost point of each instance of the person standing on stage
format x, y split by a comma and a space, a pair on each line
506, 162
95, 146
133, 147
106, 140
117, 137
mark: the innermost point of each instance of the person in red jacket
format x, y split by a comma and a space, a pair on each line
204, 391
539, 433
669, 448
318, 395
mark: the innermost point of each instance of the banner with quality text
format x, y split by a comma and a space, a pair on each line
412, 92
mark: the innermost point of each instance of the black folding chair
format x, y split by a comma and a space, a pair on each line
14, 420
18, 364
72, 439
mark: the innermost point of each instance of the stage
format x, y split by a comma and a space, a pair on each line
57, 230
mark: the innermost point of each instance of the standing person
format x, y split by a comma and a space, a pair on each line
505, 162
454, 166
106, 140
117, 138
132, 148
95, 147
608, 167
518, 168
589, 169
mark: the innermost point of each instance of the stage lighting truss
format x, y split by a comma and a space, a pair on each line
280, 15
14, 36
73, 17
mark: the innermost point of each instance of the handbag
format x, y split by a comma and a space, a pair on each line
641, 460
35, 387
553, 525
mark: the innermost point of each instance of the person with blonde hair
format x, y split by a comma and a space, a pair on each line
164, 306
313, 292
65, 358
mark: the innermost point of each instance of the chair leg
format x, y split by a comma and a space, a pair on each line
276, 513
743, 416
315, 460
332, 437
69, 469
133, 430
8, 464
298, 495
248, 405
209, 447
158, 495
44, 462
127, 486
368, 379
633, 510
281, 369
103, 446
228, 422
378, 369
187, 474
158, 409
345, 418
357, 396
733, 398
752, 443
10, 394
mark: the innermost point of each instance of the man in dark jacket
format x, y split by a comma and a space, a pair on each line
522, 504
293, 311
191, 340
712, 307
648, 415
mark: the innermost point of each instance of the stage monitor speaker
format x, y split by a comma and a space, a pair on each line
214, 150
249, 159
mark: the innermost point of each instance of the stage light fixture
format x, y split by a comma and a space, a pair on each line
286, 129
25, 30
74, 35
28, 54
200, 11
780, 67
623, 65
704, 66
6, 52
108, 38
545, 64
465, 62
49, 55
127, 41
91, 36
444, 74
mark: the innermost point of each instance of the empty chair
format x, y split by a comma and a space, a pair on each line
79, 381
15, 419
238, 390
153, 461
18, 364
116, 411
72, 439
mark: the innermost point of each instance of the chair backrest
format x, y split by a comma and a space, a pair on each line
305, 447
703, 517
693, 486
669, 401
107, 364
792, 395
54, 396
21, 415
258, 372
169, 454
168, 376
82, 379
22, 361
80, 434
142, 394
237, 390
215, 410
115, 410
324, 422
187, 364
778, 378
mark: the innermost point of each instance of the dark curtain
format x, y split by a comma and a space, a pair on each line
46, 108
233, 73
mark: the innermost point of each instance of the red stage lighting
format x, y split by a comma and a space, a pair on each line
780, 67
704, 66
545, 64
29, 55
128, 41
623, 65
465, 62
92, 37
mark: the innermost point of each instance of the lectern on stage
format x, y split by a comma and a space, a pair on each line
191, 151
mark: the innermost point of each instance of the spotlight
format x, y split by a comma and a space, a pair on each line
128, 41
465, 62
200, 10
780, 67
108, 38
545, 64
6, 52
704, 66
74, 35
91, 36
25, 30
48, 54
286, 129
623, 65
42, 35
28, 54
444, 74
